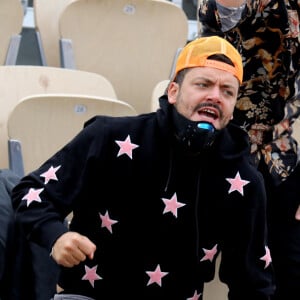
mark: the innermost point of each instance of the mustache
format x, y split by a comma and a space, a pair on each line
209, 104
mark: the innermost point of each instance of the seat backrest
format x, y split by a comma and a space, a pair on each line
133, 44
40, 125
46, 16
11, 22
17, 82
159, 90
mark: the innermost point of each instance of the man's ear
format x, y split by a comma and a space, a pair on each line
173, 89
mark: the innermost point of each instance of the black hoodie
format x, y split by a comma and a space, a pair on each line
158, 213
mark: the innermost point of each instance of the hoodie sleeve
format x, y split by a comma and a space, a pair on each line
246, 265
46, 196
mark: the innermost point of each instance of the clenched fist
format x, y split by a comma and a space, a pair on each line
72, 248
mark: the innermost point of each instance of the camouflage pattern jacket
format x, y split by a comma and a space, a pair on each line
267, 36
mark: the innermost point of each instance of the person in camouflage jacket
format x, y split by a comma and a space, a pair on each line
266, 33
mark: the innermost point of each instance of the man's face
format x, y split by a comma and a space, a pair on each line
206, 94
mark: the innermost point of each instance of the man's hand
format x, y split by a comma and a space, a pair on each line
297, 215
72, 248
231, 3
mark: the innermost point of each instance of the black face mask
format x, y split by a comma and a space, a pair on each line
195, 136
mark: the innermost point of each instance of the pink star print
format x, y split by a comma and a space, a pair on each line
209, 253
171, 205
156, 276
33, 195
126, 147
50, 174
107, 221
237, 184
267, 257
91, 275
196, 296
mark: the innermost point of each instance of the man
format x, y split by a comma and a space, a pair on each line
155, 197
266, 33
7, 180
22, 263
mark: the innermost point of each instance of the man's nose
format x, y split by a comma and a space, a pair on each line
214, 94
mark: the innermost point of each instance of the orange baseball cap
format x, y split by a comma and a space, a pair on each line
196, 52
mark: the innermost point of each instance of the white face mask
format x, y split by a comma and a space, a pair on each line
229, 16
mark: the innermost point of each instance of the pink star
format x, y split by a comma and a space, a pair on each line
156, 276
267, 257
237, 184
126, 147
209, 253
196, 296
33, 195
107, 221
91, 275
171, 205
50, 174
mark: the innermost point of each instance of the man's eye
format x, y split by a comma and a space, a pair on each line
229, 93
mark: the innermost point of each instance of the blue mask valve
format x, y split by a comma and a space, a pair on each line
207, 126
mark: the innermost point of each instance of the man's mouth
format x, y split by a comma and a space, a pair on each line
208, 112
